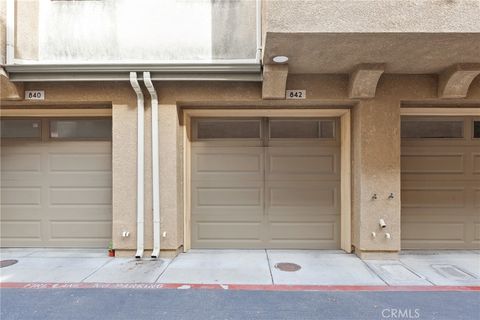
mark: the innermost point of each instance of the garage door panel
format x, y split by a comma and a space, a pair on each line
222, 163
432, 163
227, 234
14, 162
433, 231
18, 230
421, 163
21, 213
26, 196
444, 231
226, 230
302, 200
439, 197
302, 163
80, 162
243, 199
477, 198
312, 231
85, 180
229, 196
476, 164
81, 196
80, 230
434, 198
80, 213
476, 233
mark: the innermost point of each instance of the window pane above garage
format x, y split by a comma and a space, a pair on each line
302, 129
432, 129
476, 129
77, 129
228, 129
21, 128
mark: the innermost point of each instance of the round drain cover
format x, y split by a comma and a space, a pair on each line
6, 263
287, 266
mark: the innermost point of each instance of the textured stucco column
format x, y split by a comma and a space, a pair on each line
124, 177
171, 178
376, 170
124, 152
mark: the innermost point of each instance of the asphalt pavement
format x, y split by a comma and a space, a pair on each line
200, 304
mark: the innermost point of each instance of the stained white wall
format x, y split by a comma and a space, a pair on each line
145, 30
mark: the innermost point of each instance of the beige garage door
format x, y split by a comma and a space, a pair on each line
56, 183
265, 183
441, 183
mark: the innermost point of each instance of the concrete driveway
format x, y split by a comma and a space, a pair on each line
249, 267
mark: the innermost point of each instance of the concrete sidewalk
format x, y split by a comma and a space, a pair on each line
425, 268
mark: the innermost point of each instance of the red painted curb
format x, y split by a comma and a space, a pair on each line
244, 287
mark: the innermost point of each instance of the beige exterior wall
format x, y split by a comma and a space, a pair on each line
371, 16
375, 141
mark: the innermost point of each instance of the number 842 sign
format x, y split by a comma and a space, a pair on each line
296, 94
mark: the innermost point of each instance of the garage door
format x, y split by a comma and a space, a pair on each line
441, 183
265, 183
56, 183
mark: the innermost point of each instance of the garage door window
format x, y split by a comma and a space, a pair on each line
207, 129
81, 129
23, 129
302, 129
476, 129
432, 129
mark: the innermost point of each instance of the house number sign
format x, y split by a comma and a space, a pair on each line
35, 95
296, 94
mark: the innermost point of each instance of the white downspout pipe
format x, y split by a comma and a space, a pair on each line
155, 166
140, 164
10, 30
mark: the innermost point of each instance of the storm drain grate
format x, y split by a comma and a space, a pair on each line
287, 266
6, 263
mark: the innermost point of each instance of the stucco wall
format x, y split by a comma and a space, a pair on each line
372, 16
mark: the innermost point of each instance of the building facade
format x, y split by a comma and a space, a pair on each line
164, 126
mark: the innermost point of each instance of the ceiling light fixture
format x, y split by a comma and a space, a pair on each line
280, 59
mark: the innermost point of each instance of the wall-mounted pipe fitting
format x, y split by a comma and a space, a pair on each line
388, 236
382, 224
391, 196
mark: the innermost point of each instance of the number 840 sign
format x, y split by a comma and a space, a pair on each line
35, 95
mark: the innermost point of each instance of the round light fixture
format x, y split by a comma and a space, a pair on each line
280, 59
